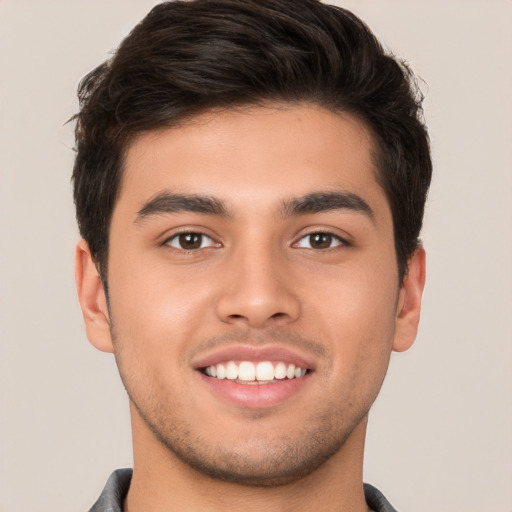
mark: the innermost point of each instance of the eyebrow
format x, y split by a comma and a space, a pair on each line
316, 202
319, 202
165, 202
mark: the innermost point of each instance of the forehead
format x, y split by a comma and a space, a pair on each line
252, 156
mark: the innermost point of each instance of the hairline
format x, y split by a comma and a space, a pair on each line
191, 117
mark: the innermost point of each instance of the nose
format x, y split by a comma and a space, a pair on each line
257, 290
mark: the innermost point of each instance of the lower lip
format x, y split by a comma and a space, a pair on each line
256, 396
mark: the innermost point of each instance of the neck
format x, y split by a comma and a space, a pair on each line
163, 483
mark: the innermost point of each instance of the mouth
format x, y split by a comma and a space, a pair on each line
255, 377
260, 372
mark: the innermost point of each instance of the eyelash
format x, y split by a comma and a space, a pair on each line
332, 237
197, 234
340, 242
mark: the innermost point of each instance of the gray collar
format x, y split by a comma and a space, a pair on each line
114, 493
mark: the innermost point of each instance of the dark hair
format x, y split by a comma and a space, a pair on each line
187, 57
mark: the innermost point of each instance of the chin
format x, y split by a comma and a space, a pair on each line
257, 460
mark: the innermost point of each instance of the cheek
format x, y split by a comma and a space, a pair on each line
153, 323
357, 316
156, 313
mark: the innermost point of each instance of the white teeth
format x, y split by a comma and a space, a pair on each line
250, 372
221, 371
231, 371
265, 371
246, 371
280, 371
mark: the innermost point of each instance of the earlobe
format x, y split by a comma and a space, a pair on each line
93, 301
409, 302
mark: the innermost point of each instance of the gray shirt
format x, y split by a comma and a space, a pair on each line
112, 497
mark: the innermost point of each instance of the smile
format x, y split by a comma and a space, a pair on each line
253, 376
247, 372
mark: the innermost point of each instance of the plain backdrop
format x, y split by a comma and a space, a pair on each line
440, 434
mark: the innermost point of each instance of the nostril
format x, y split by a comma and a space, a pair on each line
257, 310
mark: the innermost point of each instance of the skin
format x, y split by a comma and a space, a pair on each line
255, 281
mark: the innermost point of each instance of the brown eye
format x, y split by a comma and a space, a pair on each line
319, 241
190, 241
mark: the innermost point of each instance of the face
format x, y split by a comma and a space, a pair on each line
253, 286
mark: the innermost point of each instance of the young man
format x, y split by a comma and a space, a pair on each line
250, 182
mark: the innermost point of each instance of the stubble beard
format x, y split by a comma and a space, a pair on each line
265, 460
273, 463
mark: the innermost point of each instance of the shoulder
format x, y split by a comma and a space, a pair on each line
376, 500
116, 488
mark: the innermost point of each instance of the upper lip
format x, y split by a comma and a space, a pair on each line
253, 353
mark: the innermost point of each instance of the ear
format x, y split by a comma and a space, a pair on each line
93, 300
409, 302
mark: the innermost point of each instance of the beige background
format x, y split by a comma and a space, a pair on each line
440, 434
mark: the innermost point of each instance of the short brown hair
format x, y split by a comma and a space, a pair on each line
187, 57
